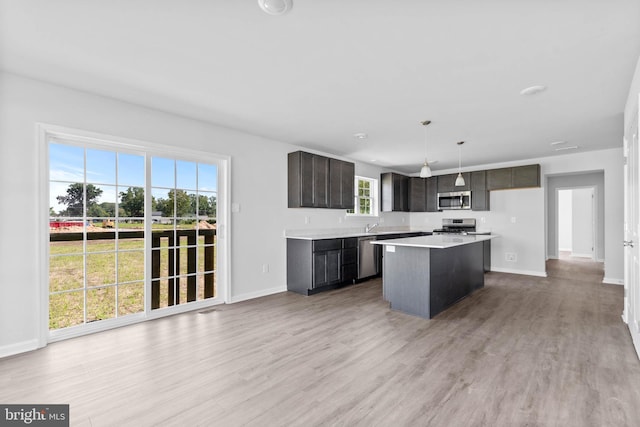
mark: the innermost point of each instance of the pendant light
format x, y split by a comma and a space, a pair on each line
425, 172
460, 180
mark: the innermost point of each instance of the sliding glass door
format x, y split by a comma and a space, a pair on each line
131, 231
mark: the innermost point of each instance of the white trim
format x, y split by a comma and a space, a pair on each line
183, 308
42, 248
44, 132
19, 347
107, 324
612, 281
93, 327
374, 197
523, 272
635, 336
579, 255
258, 294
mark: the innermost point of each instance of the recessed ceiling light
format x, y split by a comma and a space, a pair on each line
558, 143
276, 7
532, 90
360, 135
571, 147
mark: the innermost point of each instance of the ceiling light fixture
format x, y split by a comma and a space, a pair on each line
425, 172
460, 180
571, 147
360, 135
558, 143
276, 7
532, 90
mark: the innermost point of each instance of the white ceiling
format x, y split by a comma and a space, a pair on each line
332, 68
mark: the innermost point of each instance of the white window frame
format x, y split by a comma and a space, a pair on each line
374, 197
44, 133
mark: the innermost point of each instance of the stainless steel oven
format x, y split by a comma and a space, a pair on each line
457, 226
454, 200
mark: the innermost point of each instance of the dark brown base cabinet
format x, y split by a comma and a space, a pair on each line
318, 265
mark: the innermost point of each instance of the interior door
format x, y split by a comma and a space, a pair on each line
583, 222
631, 312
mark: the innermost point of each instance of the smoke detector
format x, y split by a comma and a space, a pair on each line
276, 7
532, 90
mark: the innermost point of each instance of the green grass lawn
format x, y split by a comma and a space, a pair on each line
105, 264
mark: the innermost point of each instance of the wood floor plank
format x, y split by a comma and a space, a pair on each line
522, 351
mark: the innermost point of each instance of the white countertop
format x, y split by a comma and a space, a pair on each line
341, 234
441, 241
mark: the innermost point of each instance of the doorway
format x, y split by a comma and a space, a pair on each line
135, 232
576, 223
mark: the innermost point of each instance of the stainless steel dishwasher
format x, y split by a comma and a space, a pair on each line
368, 259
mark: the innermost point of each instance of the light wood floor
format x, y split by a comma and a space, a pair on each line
522, 351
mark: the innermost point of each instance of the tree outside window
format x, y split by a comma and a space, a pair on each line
366, 191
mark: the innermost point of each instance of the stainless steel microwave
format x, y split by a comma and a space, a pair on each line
454, 200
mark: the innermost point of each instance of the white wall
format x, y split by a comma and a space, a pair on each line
517, 217
528, 237
258, 185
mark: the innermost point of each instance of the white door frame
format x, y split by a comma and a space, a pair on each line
631, 312
44, 133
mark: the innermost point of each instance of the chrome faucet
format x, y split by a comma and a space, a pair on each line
368, 228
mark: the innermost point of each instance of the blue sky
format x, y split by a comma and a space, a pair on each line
67, 165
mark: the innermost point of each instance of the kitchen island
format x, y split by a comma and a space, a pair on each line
424, 275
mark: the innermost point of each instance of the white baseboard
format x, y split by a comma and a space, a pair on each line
523, 272
20, 347
635, 337
611, 281
579, 255
257, 294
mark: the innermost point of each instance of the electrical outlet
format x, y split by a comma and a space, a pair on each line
265, 268
307, 220
510, 256
513, 220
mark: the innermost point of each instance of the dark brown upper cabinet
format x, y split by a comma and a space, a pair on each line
525, 176
431, 190
513, 177
417, 194
341, 182
394, 190
423, 194
479, 193
447, 183
312, 183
